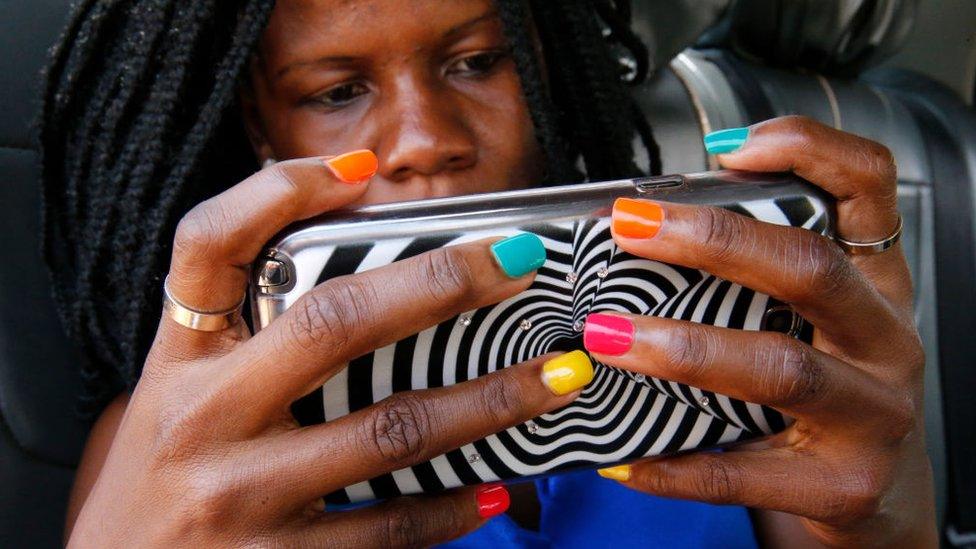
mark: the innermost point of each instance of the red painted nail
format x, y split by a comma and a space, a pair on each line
492, 500
607, 334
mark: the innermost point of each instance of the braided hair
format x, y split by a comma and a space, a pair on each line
140, 121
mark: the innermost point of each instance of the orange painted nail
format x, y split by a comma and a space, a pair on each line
353, 167
637, 218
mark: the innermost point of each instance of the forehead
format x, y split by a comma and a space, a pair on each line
361, 27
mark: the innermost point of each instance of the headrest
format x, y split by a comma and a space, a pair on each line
841, 37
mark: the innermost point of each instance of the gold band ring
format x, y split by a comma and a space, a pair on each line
199, 320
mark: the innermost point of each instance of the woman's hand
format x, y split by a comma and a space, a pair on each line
853, 465
208, 453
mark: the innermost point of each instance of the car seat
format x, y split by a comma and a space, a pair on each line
41, 436
701, 89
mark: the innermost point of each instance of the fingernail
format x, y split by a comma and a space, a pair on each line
607, 334
566, 373
353, 167
726, 141
492, 500
617, 472
637, 218
520, 254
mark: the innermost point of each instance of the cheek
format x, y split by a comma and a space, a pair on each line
295, 130
506, 136
298, 132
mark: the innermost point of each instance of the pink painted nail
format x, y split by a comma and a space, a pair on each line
608, 334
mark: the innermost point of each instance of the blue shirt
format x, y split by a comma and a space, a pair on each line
582, 509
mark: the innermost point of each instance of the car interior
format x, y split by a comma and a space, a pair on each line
898, 72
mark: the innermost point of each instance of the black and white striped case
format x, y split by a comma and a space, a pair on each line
620, 416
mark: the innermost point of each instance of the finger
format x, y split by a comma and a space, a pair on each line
793, 265
411, 427
349, 316
406, 521
217, 240
763, 367
858, 172
778, 479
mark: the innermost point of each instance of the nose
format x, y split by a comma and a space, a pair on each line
425, 133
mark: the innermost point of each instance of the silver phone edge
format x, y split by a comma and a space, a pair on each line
499, 209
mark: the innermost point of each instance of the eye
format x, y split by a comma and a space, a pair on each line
476, 65
341, 95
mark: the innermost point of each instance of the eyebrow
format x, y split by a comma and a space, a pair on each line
448, 34
461, 27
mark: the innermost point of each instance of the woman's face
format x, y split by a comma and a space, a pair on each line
426, 84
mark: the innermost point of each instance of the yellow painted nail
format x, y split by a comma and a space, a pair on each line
617, 472
566, 373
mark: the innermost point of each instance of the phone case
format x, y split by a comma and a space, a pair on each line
620, 416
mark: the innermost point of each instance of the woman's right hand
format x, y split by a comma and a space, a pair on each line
208, 453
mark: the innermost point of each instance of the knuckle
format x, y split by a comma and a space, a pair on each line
172, 429
317, 322
801, 127
718, 481
685, 352
882, 162
797, 376
721, 234
179, 431
799, 123
861, 497
502, 398
210, 496
280, 173
914, 355
197, 233
900, 420
446, 274
655, 483
822, 270
402, 527
802, 133
397, 429
333, 314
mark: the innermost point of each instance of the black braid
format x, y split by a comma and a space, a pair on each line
585, 82
560, 156
140, 122
136, 93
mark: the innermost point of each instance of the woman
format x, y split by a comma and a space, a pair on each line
154, 106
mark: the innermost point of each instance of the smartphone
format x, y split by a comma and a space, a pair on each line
620, 416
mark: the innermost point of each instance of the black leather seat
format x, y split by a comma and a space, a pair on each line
41, 436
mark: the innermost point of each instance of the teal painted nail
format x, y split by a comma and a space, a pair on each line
726, 141
520, 254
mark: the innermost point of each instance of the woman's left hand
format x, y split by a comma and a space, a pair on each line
853, 465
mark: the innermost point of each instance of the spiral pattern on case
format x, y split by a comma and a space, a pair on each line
619, 415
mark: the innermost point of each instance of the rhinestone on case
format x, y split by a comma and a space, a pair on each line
639, 378
464, 321
525, 324
603, 272
572, 277
704, 401
578, 326
531, 427
474, 458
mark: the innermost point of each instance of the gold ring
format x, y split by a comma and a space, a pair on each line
871, 248
199, 320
